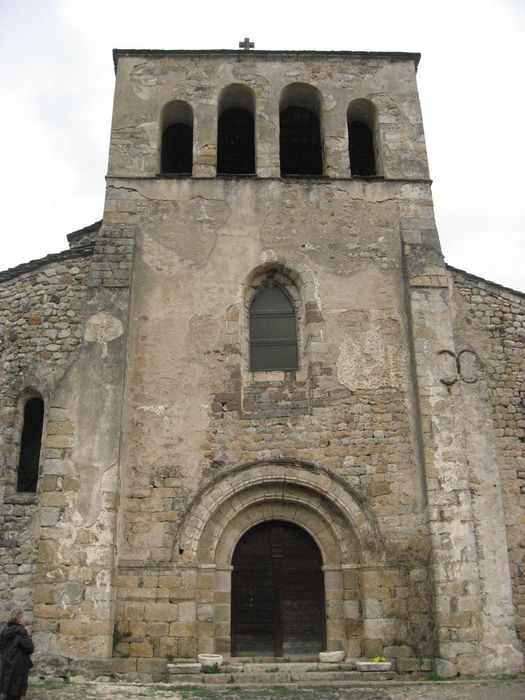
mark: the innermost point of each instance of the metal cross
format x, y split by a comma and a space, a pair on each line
246, 44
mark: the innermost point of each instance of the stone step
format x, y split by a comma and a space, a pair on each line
270, 677
287, 666
255, 667
312, 676
270, 659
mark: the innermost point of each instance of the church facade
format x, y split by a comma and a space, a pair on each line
252, 411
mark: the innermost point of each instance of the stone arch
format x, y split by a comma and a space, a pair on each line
273, 480
363, 138
30, 444
17, 400
300, 131
176, 138
236, 131
292, 280
273, 327
301, 287
298, 492
270, 506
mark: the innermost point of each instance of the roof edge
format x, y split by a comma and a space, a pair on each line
486, 281
74, 235
68, 254
236, 53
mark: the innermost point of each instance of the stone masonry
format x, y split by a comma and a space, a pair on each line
41, 312
490, 325
397, 444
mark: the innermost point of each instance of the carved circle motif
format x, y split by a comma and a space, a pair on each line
466, 366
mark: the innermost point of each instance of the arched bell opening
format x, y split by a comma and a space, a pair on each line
300, 135
363, 139
176, 148
236, 131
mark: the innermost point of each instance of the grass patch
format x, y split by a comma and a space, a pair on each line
193, 692
281, 692
434, 677
510, 677
48, 684
214, 668
300, 693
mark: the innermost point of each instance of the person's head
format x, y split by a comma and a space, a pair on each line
16, 617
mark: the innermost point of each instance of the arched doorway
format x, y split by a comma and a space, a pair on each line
277, 593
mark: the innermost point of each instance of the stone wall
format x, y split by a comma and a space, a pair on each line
76, 559
41, 325
490, 322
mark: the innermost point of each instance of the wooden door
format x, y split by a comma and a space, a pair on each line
277, 593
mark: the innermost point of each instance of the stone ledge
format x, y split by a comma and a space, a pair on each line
22, 499
265, 54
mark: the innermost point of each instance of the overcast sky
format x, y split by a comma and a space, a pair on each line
56, 82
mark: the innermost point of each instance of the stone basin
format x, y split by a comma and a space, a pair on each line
207, 660
373, 665
331, 657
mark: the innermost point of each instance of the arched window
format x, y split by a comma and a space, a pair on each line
362, 119
30, 444
236, 133
273, 329
176, 157
300, 143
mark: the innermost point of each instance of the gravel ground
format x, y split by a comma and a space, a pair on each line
508, 689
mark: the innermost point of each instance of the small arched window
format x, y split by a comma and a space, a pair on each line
300, 143
273, 329
236, 132
176, 157
361, 141
30, 444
